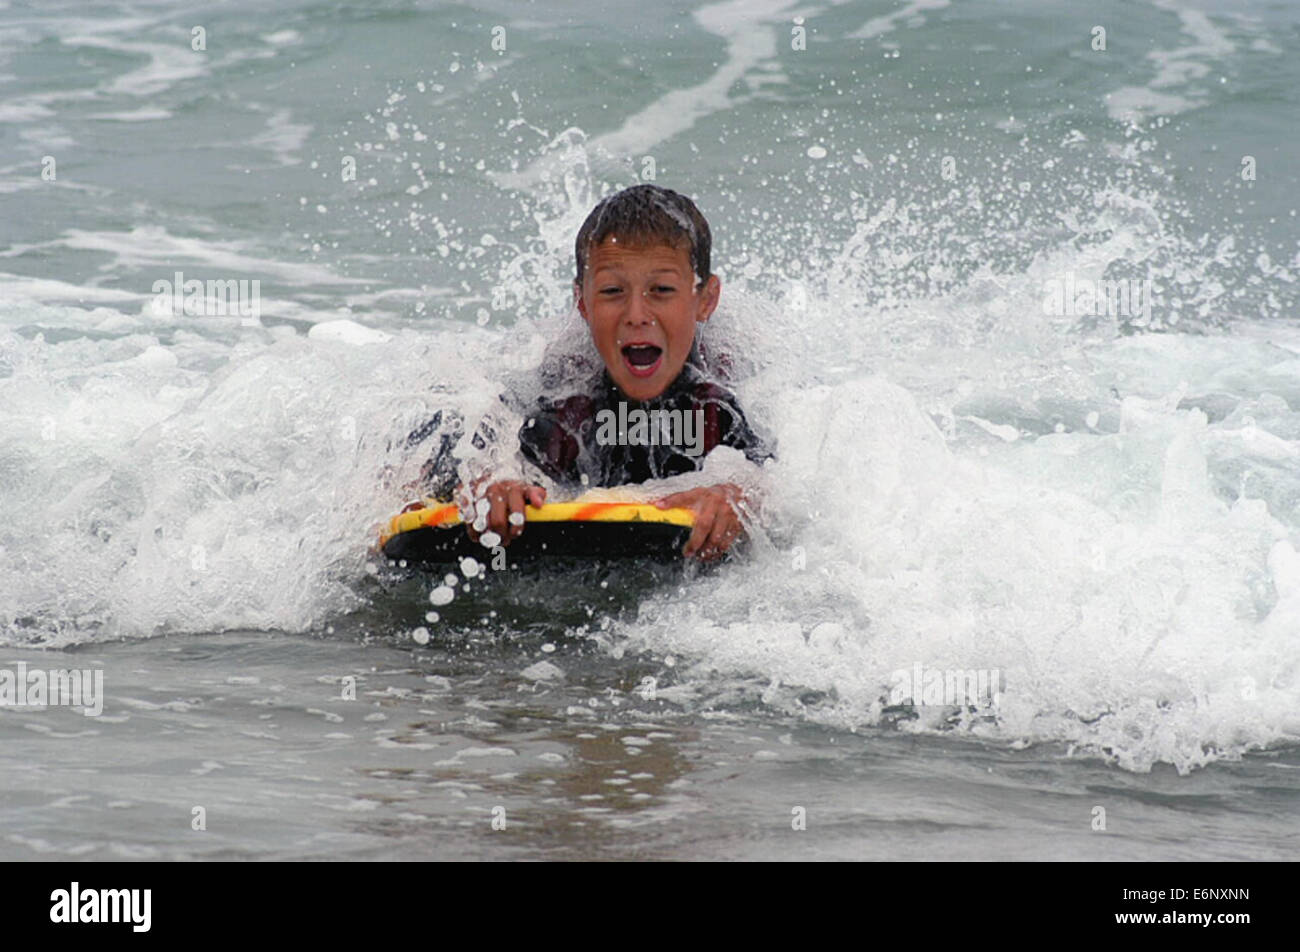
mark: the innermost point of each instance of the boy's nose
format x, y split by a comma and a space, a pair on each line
638, 310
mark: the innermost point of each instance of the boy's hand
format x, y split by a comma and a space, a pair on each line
507, 497
717, 518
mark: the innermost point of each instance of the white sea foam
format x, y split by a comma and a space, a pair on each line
153, 246
1179, 68
283, 137
143, 114
347, 332
283, 38
749, 30
168, 64
910, 14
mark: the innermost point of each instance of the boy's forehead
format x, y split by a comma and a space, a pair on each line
615, 252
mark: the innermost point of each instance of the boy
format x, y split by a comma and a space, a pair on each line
643, 284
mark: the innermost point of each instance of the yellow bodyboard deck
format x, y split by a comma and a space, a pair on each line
432, 532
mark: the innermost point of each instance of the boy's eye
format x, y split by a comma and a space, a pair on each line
613, 289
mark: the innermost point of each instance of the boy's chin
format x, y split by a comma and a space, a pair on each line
641, 390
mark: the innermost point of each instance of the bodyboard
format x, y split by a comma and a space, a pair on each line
432, 533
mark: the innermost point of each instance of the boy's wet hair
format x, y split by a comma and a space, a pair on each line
650, 215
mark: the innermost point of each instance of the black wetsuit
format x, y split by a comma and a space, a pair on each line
561, 437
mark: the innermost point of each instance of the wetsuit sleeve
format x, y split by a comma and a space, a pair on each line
439, 476
725, 425
551, 439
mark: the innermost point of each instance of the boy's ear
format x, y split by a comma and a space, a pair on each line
710, 291
577, 299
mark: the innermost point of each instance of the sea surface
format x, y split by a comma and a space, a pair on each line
1090, 501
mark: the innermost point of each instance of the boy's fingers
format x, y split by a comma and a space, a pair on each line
504, 499
673, 501
725, 530
708, 549
516, 505
496, 519
700, 532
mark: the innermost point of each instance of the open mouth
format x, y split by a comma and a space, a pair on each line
642, 359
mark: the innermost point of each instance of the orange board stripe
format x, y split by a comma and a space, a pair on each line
593, 509
448, 514
442, 514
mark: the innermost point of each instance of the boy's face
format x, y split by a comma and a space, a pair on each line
642, 305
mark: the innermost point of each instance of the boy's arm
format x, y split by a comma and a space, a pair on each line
548, 442
438, 477
718, 509
723, 411
504, 516
549, 438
